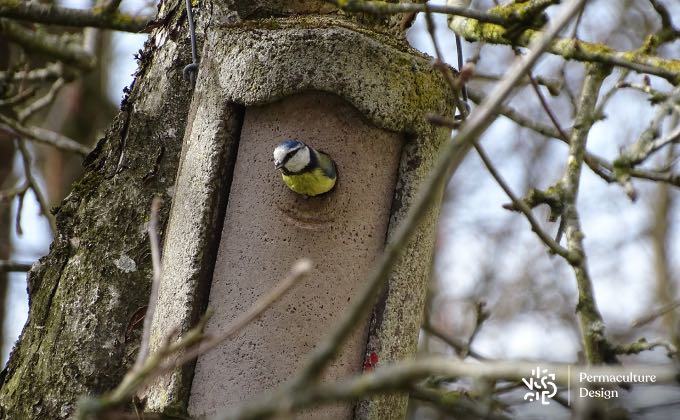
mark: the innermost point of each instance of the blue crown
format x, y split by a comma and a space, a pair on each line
291, 144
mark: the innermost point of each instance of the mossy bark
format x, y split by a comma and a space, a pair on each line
87, 293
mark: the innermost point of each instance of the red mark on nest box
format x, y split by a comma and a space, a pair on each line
371, 361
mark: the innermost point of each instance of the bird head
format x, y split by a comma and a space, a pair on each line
291, 156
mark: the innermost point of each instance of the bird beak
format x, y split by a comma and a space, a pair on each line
278, 165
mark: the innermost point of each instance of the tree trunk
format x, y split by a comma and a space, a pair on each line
86, 294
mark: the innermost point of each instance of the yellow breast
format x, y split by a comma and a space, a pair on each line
310, 183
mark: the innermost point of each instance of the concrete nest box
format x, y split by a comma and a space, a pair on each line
235, 229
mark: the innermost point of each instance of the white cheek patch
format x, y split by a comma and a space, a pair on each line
279, 153
299, 160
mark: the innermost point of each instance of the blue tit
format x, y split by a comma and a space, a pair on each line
304, 169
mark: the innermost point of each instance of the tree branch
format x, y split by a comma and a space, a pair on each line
51, 45
639, 61
9, 266
35, 186
383, 8
99, 17
402, 376
525, 209
161, 361
592, 326
43, 135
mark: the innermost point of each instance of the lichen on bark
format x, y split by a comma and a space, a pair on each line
84, 295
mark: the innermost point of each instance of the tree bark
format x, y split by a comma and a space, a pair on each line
86, 294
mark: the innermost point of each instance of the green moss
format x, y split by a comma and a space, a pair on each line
518, 11
640, 60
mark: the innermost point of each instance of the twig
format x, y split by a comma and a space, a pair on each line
599, 166
644, 148
546, 107
111, 6
667, 32
51, 45
50, 72
647, 144
554, 86
43, 135
453, 81
41, 102
299, 270
440, 121
458, 346
34, 185
155, 244
454, 403
159, 363
102, 17
10, 193
481, 315
655, 96
382, 8
575, 49
599, 110
644, 345
401, 376
664, 14
518, 117
8, 266
646, 319
524, 208
18, 98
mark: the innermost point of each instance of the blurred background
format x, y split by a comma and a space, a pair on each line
487, 257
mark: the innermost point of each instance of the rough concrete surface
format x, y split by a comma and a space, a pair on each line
267, 227
391, 84
253, 64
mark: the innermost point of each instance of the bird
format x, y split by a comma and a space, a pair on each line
305, 170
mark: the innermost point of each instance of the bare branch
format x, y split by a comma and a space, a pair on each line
655, 96
383, 8
49, 73
34, 185
460, 347
647, 143
101, 17
575, 49
299, 270
645, 319
20, 97
401, 377
51, 45
42, 102
43, 135
8, 266
155, 244
592, 326
644, 345
524, 208
161, 362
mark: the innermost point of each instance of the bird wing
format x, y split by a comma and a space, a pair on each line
327, 164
